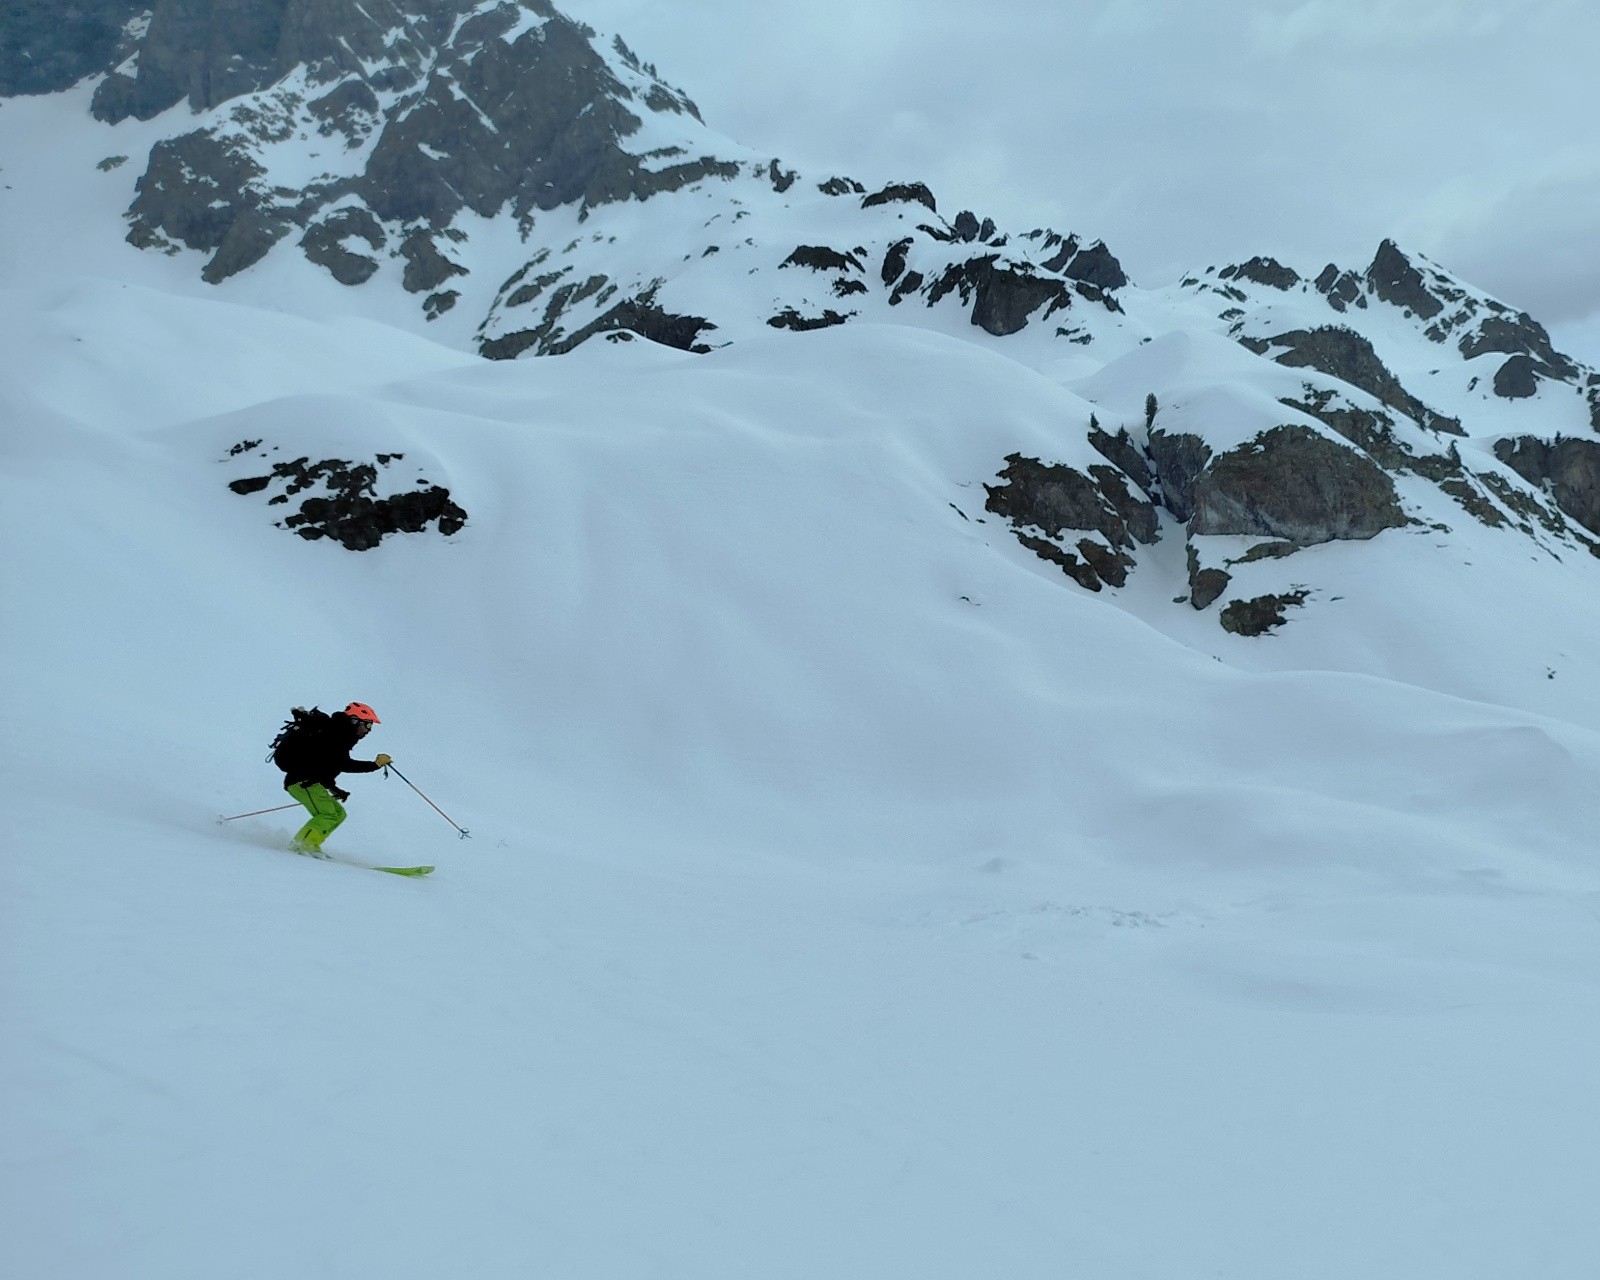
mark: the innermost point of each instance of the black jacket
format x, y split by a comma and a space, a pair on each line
325, 755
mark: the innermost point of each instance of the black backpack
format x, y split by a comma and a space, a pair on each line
297, 741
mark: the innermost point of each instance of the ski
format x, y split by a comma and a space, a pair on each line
366, 866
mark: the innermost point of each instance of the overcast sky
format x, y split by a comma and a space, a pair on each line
1187, 133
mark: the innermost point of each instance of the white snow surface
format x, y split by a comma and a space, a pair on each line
849, 893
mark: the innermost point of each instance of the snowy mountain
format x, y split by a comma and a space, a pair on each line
975, 766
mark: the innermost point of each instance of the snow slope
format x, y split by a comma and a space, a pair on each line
849, 894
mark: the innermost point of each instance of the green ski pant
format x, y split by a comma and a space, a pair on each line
326, 813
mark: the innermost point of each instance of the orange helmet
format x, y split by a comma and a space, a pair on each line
361, 711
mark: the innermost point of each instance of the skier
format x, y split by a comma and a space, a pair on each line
312, 751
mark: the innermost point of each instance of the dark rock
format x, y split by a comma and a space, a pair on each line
894, 261
353, 515
248, 240
426, 267
435, 305
49, 45
1122, 452
841, 187
1294, 484
208, 51
909, 284
1267, 271
193, 190
781, 179
1569, 470
1080, 571
789, 318
1058, 500
848, 288
1517, 379
902, 193
1138, 515
1259, 616
1003, 298
1096, 266
821, 258
1341, 288
1344, 354
1178, 458
640, 315
966, 226
1205, 585
1368, 430
1395, 280
1473, 501
1520, 335
323, 243
351, 109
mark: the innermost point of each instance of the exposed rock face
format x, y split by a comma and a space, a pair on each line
1397, 281
1294, 484
511, 109
327, 244
1516, 379
640, 314
1267, 271
822, 258
349, 509
1205, 585
1059, 501
1344, 354
1568, 469
1259, 616
792, 320
1341, 288
1178, 459
902, 193
50, 45
1003, 298
209, 51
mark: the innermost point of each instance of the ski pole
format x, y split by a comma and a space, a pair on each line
464, 832
256, 812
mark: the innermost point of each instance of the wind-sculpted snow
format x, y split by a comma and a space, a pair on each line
851, 893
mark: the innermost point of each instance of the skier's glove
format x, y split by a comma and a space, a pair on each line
383, 760
339, 793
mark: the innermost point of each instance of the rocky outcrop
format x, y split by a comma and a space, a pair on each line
1396, 280
206, 52
1258, 616
822, 258
641, 315
792, 320
348, 507
511, 108
1341, 288
327, 243
1294, 484
1267, 271
1178, 459
1003, 297
902, 193
1569, 470
1047, 504
1344, 354
47, 46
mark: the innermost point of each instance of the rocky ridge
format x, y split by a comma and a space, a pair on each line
398, 140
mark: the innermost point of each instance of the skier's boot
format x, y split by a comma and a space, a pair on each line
310, 844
